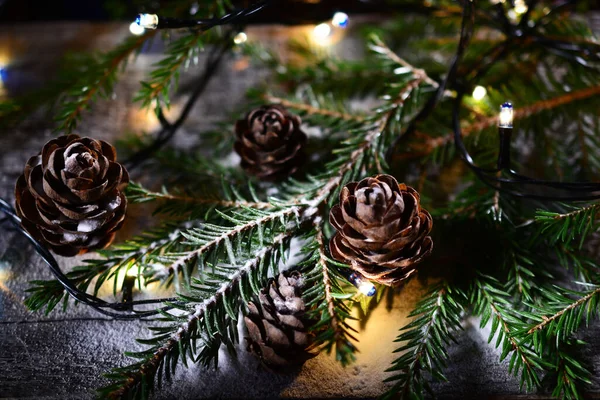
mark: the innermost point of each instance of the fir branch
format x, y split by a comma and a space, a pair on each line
326, 298
340, 334
155, 91
355, 155
378, 46
491, 304
212, 320
312, 110
435, 317
138, 194
566, 318
209, 239
103, 78
566, 227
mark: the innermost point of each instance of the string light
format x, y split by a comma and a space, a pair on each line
363, 285
322, 31
136, 29
479, 93
505, 128
505, 119
147, 21
240, 38
340, 20
520, 7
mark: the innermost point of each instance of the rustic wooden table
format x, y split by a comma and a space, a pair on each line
63, 355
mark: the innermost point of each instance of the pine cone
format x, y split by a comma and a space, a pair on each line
69, 196
270, 142
381, 229
277, 325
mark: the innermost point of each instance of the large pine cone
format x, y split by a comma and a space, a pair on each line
381, 229
69, 196
277, 325
270, 142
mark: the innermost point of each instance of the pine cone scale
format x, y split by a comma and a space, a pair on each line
381, 229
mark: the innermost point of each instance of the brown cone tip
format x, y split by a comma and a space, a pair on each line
382, 231
270, 142
277, 327
70, 195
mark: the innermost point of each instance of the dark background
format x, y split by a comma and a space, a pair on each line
296, 11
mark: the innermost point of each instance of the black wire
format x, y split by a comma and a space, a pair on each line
169, 129
93, 301
206, 24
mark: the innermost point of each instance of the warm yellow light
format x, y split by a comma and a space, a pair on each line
520, 7
136, 29
240, 38
479, 93
322, 31
133, 272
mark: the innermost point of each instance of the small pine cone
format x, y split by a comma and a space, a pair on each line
270, 142
277, 326
381, 229
70, 195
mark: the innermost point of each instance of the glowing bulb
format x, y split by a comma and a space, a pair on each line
505, 119
479, 93
136, 30
520, 7
240, 38
363, 286
133, 272
367, 288
340, 20
322, 31
148, 21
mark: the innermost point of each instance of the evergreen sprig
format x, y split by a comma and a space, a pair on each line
98, 80
436, 316
200, 327
492, 303
328, 300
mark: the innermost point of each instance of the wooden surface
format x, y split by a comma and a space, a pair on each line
64, 354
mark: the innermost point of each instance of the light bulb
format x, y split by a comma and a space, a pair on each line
148, 21
364, 286
340, 20
136, 30
479, 93
240, 38
520, 7
505, 119
322, 31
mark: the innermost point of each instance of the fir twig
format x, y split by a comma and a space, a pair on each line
435, 317
312, 110
212, 320
492, 305
86, 92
